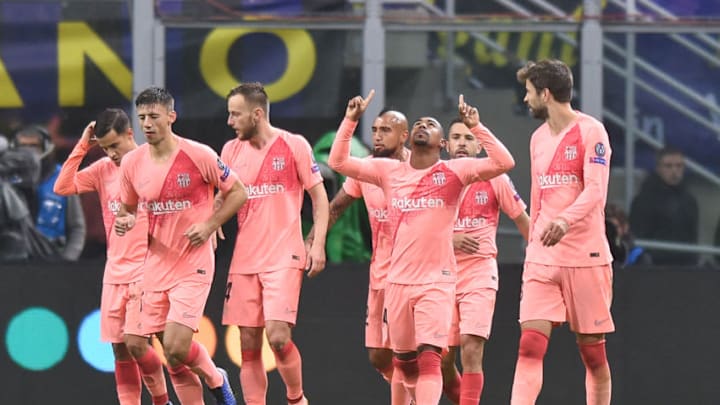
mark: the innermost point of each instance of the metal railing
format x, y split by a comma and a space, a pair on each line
559, 26
632, 130
692, 46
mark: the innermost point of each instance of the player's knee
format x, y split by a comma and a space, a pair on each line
533, 344
593, 355
475, 347
278, 335
121, 352
251, 339
176, 354
137, 347
278, 341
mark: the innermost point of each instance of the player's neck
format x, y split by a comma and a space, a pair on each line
401, 154
264, 135
559, 117
162, 151
422, 158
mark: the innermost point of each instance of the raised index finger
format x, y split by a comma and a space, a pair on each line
370, 96
461, 100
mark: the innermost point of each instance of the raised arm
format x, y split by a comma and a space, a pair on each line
499, 159
69, 180
340, 159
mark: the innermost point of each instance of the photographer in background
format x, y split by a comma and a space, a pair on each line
59, 219
19, 174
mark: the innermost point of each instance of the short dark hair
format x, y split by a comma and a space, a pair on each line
452, 122
155, 95
551, 74
253, 93
35, 131
614, 211
111, 119
667, 150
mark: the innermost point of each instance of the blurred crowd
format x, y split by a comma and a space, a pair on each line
34, 221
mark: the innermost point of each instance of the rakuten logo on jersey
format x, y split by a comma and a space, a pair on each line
167, 207
380, 215
558, 179
114, 206
264, 190
415, 204
470, 223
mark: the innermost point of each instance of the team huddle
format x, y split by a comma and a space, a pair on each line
433, 272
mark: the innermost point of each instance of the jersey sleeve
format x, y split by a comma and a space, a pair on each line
213, 169
366, 170
70, 180
508, 198
596, 173
534, 187
352, 187
499, 159
307, 167
88, 179
128, 194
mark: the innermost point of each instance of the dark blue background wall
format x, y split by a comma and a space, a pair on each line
664, 352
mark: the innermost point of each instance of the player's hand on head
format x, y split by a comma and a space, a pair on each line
553, 232
357, 106
88, 135
198, 234
468, 114
315, 261
465, 243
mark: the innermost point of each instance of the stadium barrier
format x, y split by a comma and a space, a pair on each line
663, 352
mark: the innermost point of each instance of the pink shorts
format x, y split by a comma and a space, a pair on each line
184, 303
419, 314
252, 299
474, 300
579, 295
376, 335
120, 311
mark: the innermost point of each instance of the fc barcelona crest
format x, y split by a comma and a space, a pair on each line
570, 152
481, 197
183, 180
438, 178
278, 163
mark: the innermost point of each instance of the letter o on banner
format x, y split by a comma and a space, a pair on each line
301, 60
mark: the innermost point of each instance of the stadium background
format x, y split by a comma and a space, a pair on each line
62, 62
